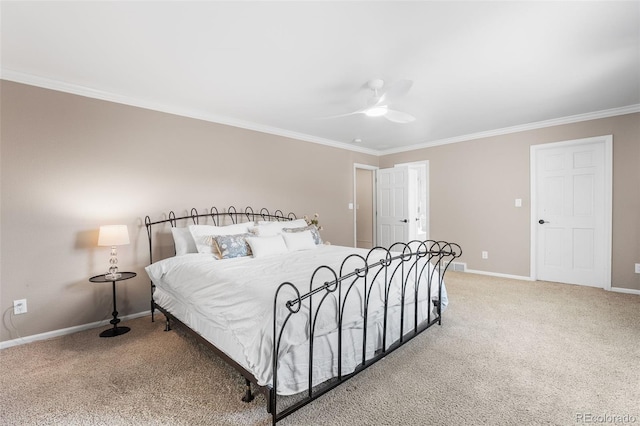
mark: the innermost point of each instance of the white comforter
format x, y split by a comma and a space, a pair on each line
237, 295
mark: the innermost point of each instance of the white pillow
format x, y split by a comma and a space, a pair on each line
202, 234
296, 223
268, 229
299, 240
312, 228
267, 246
183, 241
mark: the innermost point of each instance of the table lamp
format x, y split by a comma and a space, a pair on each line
113, 235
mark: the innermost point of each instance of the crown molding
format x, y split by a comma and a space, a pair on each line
630, 109
45, 83
33, 80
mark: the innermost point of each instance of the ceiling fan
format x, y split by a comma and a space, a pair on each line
377, 106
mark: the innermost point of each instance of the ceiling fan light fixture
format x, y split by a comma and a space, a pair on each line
376, 111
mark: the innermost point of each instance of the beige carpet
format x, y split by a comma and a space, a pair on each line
508, 352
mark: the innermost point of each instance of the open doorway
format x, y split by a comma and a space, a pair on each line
419, 199
402, 208
364, 194
367, 199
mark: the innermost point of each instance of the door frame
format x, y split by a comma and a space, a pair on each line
375, 200
607, 140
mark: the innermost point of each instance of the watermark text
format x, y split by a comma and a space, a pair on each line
605, 418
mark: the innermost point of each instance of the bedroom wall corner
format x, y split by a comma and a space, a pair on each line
473, 185
69, 164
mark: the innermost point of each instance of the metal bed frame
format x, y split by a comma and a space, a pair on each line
401, 260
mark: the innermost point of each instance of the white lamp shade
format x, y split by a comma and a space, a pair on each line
113, 235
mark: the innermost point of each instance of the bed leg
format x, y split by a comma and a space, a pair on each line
248, 396
153, 311
270, 403
167, 325
436, 304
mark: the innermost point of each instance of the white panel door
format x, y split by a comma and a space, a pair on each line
392, 205
571, 244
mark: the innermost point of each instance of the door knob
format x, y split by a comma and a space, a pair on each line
542, 221
404, 220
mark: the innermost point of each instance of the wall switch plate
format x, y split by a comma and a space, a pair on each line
20, 306
637, 268
350, 206
518, 202
485, 254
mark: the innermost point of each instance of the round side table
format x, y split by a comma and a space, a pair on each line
115, 331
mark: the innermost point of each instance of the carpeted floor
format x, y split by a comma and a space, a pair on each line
508, 352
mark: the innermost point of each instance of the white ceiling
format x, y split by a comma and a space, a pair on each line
478, 68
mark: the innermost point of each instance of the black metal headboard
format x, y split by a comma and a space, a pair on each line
218, 218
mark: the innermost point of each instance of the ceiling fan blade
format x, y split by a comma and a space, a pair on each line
341, 115
397, 90
377, 106
399, 116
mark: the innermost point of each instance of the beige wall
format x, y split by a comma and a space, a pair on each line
70, 164
473, 186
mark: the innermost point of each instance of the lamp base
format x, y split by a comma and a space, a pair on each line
113, 276
116, 331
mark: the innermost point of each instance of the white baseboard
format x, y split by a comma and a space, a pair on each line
65, 331
625, 290
497, 274
77, 328
523, 278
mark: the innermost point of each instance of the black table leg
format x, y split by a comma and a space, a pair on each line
115, 331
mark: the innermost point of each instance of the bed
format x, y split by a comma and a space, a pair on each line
294, 316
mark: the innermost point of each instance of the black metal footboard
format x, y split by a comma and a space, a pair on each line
396, 294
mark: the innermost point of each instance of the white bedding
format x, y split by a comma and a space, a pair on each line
230, 303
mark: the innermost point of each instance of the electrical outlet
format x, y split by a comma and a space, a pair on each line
20, 306
485, 254
637, 268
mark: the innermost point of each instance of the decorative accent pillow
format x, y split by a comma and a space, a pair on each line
266, 246
203, 234
296, 223
183, 241
312, 228
229, 246
299, 240
271, 228
266, 230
